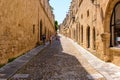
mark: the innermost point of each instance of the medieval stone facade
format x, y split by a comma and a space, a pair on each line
95, 25
22, 23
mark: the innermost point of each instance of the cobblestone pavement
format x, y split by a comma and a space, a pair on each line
59, 61
109, 70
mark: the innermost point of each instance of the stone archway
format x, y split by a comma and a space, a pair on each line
108, 14
115, 26
106, 26
107, 20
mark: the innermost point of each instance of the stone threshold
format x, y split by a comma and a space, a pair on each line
11, 68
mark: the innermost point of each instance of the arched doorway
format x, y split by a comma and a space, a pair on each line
45, 31
94, 39
115, 26
79, 33
74, 34
41, 29
88, 37
82, 34
69, 33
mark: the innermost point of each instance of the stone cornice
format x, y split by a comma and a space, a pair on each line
47, 14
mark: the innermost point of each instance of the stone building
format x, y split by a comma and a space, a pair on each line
95, 25
22, 23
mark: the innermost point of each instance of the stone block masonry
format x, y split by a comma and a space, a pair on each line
94, 24
19, 27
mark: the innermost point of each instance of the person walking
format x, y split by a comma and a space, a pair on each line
44, 38
50, 39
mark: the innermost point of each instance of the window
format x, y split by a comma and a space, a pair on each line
87, 13
79, 3
82, 16
45, 31
115, 27
34, 29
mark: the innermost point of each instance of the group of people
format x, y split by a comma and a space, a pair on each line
44, 39
50, 38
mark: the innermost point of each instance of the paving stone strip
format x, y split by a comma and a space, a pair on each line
108, 70
11, 68
60, 61
21, 76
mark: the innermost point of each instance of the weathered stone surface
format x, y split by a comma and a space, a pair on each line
20, 76
95, 76
20, 26
59, 62
89, 24
9, 69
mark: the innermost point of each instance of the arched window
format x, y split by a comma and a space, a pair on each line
115, 27
45, 31
94, 38
77, 32
41, 30
88, 37
82, 34
74, 34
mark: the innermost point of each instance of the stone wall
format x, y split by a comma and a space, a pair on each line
94, 18
19, 26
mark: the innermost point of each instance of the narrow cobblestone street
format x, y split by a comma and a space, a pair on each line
60, 40
59, 61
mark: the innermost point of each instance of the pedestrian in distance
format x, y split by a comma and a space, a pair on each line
44, 39
50, 39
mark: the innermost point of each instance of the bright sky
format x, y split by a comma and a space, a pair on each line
61, 8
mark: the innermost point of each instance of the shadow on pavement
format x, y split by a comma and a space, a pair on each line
52, 63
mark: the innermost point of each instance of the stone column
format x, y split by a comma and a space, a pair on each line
106, 45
